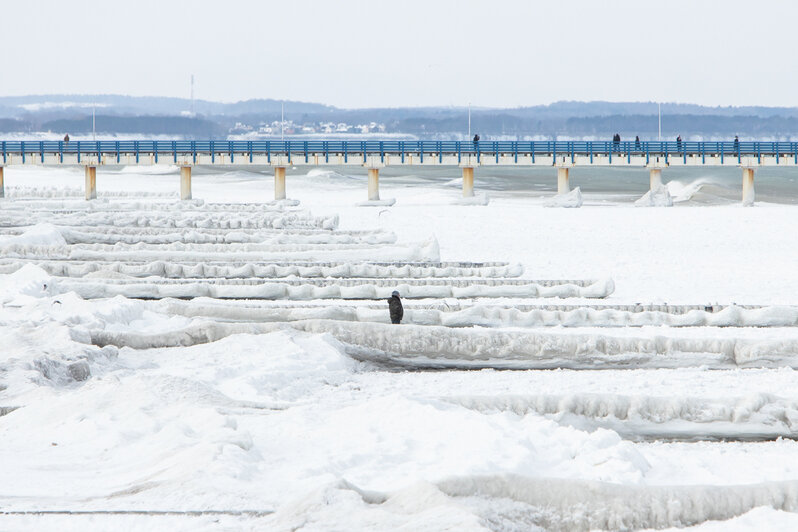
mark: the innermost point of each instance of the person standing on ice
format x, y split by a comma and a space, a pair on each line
395, 308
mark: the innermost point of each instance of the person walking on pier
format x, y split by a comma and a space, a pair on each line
66, 138
637, 142
395, 308
736, 144
678, 143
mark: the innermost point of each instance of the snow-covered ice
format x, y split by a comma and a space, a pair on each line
275, 395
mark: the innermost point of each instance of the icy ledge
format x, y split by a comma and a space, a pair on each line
559, 504
755, 417
416, 346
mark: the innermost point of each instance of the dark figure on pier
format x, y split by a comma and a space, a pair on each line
637, 142
679, 142
66, 138
476, 138
736, 144
395, 308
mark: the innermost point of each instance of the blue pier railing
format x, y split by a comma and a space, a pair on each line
301, 150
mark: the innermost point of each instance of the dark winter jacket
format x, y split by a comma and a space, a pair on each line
395, 308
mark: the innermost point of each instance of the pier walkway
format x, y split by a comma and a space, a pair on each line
377, 154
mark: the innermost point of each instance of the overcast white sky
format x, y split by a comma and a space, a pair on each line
358, 53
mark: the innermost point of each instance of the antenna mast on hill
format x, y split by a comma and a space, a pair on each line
192, 94
469, 120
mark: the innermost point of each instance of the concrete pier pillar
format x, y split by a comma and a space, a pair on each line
2, 184
185, 182
468, 181
655, 178
748, 186
279, 182
91, 182
562, 181
374, 184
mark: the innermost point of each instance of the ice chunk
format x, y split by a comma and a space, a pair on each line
659, 196
572, 199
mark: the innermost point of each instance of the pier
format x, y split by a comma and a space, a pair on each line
377, 154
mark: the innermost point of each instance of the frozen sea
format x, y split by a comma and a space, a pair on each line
296, 406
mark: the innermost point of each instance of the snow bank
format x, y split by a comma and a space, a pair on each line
659, 196
128, 438
572, 199
40, 235
285, 366
343, 506
29, 280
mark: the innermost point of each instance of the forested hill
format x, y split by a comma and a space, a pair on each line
128, 115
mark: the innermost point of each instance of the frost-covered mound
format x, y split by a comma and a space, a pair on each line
659, 196
40, 235
572, 199
29, 280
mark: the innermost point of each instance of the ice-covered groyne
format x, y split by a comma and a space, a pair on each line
430, 347
753, 417
232, 269
562, 505
189, 249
